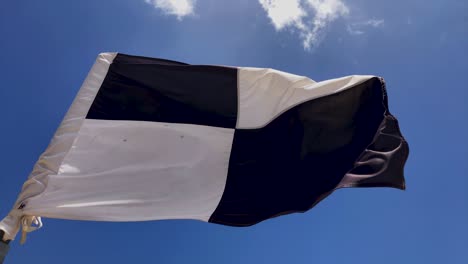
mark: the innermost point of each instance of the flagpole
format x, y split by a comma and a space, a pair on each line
4, 247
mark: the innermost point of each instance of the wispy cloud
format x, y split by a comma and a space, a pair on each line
354, 31
178, 8
310, 17
374, 22
360, 27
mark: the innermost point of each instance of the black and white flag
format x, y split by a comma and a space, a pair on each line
149, 139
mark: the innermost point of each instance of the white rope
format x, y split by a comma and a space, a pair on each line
29, 224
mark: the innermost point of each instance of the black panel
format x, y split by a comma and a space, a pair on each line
145, 89
382, 162
131, 59
299, 158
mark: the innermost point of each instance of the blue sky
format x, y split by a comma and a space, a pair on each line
419, 47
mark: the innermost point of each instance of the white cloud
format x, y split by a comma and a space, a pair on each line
283, 12
310, 17
326, 11
359, 27
179, 8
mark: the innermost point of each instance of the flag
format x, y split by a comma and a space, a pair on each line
152, 139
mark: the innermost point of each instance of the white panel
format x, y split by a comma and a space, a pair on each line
264, 94
61, 142
137, 170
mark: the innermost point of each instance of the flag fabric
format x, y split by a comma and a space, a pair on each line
151, 139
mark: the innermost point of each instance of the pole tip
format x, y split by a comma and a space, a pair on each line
4, 247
